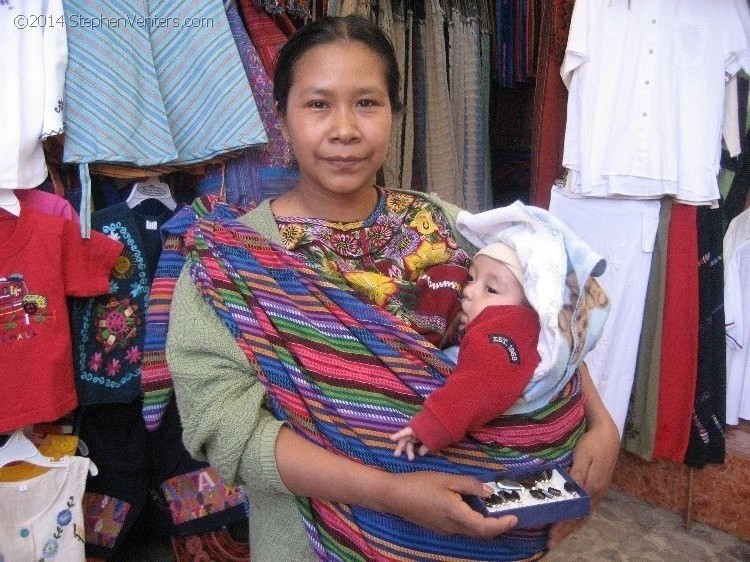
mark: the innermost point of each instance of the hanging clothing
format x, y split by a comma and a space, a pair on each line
47, 203
640, 425
679, 337
43, 517
109, 331
265, 34
134, 463
169, 91
707, 443
260, 171
646, 101
31, 99
43, 260
156, 382
441, 173
737, 309
623, 232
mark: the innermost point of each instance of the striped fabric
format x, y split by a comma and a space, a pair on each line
169, 88
345, 375
265, 34
156, 382
442, 172
260, 171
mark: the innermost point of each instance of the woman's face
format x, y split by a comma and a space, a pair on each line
338, 118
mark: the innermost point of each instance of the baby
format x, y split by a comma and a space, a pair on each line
496, 360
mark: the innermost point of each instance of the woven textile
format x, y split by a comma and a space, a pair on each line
375, 374
156, 383
265, 34
155, 94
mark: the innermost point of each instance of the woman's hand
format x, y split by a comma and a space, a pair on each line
430, 499
433, 500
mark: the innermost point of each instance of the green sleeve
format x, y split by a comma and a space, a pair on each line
219, 397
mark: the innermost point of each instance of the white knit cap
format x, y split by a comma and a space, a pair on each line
505, 254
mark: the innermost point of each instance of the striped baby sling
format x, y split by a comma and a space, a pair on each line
345, 375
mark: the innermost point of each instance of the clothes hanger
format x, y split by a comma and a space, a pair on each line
9, 202
18, 448
152, 188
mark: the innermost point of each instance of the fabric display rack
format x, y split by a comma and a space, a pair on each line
117, 137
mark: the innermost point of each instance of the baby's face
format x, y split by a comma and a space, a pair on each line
490, 283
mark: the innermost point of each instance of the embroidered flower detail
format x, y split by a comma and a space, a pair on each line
24, 533
64, 517
114, 236
379, 234
113, 368
133, 354
346, 245
124, 266
398, 202
117, 323
95, 363
291, 234
50, 548
136, 289
427, 254
374, 286
423, 222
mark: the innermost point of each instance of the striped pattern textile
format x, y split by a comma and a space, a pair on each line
156, 382
170, 88
264, 33
345, 375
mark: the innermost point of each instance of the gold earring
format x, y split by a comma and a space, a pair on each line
287, 154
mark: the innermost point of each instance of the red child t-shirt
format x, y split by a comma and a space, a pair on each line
43, 260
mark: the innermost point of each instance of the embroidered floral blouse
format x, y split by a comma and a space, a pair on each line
383, 256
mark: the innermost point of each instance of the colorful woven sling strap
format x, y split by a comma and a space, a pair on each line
345, 375
156, 382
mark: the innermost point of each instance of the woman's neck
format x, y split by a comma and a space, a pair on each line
337, 207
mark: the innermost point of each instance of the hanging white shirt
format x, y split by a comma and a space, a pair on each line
737, 318
646, 100
623, 233
33, 58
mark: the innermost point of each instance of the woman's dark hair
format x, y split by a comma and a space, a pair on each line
329, 30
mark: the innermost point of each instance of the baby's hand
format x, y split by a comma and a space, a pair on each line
405, 441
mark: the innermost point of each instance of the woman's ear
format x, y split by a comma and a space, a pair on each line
282, 121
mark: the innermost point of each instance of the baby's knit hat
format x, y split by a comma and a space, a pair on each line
505, 254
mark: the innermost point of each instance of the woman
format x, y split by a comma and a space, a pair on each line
336, 88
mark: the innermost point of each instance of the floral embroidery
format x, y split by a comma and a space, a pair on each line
382, 257
133, 355
95, 363
427, 254
375, 286
60, 106
117, 323
398, 202
113, 368
64, 517
50, 548
423, 222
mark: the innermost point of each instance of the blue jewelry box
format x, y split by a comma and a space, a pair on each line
537, 496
